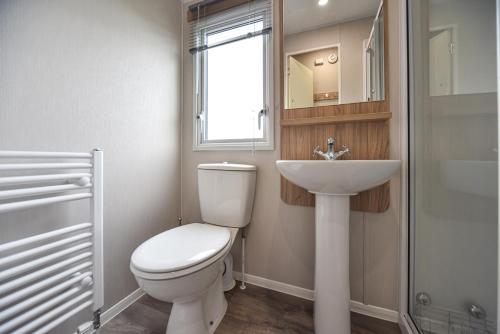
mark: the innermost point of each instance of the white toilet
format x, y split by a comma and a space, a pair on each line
184, 265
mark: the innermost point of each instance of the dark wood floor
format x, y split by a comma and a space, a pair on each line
251, 311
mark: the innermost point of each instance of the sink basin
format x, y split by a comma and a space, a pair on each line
338, 177
333, 182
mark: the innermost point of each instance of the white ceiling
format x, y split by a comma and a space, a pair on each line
304, 15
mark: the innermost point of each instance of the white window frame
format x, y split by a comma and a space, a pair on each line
199, 73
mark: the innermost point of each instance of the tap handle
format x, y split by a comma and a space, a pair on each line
316, 151
346, 149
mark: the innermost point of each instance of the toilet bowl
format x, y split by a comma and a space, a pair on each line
184, 265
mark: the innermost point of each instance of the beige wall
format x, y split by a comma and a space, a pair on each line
350, 36
76, 75
281, 237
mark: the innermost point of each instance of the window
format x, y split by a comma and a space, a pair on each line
233, 86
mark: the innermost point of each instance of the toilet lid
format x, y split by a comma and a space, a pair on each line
228, 166
179, 248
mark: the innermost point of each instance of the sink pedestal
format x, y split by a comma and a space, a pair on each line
333, 182
331, 287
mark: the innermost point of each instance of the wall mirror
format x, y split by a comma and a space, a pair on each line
334, 52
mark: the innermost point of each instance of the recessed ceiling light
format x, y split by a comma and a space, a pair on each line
322, 2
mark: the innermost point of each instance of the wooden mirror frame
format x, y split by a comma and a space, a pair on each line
363, 126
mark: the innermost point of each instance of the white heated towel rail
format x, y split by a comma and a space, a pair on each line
46, 279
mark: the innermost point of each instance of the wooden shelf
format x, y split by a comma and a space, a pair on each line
351, 118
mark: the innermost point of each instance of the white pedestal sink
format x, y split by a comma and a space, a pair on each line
333, 182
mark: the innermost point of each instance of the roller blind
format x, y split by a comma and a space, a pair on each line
247, 20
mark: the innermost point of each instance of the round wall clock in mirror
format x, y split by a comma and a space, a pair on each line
332, 58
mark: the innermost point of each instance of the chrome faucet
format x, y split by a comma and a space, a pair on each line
331, 154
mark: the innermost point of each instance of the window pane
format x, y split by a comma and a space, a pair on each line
234, 88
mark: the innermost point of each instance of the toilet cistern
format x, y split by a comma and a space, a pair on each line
184, 265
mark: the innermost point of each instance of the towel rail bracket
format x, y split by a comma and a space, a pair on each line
91, 327
97, 319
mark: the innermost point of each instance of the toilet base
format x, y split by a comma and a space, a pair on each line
201, 315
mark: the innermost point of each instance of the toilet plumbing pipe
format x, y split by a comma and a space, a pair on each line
243, 240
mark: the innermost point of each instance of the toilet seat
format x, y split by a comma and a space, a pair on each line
180, 251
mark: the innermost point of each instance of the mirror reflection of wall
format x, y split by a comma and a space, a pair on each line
313, 78
335, 55
462, 47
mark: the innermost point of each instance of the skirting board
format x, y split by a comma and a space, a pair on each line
374, 311
406, 326
116, 309
276, 286
356, 307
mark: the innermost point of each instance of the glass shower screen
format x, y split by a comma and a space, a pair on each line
453, 166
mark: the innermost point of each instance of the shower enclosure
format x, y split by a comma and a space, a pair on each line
453, 195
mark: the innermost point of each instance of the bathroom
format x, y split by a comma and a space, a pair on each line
409, 97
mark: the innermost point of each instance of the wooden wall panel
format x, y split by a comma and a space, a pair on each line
367, 140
